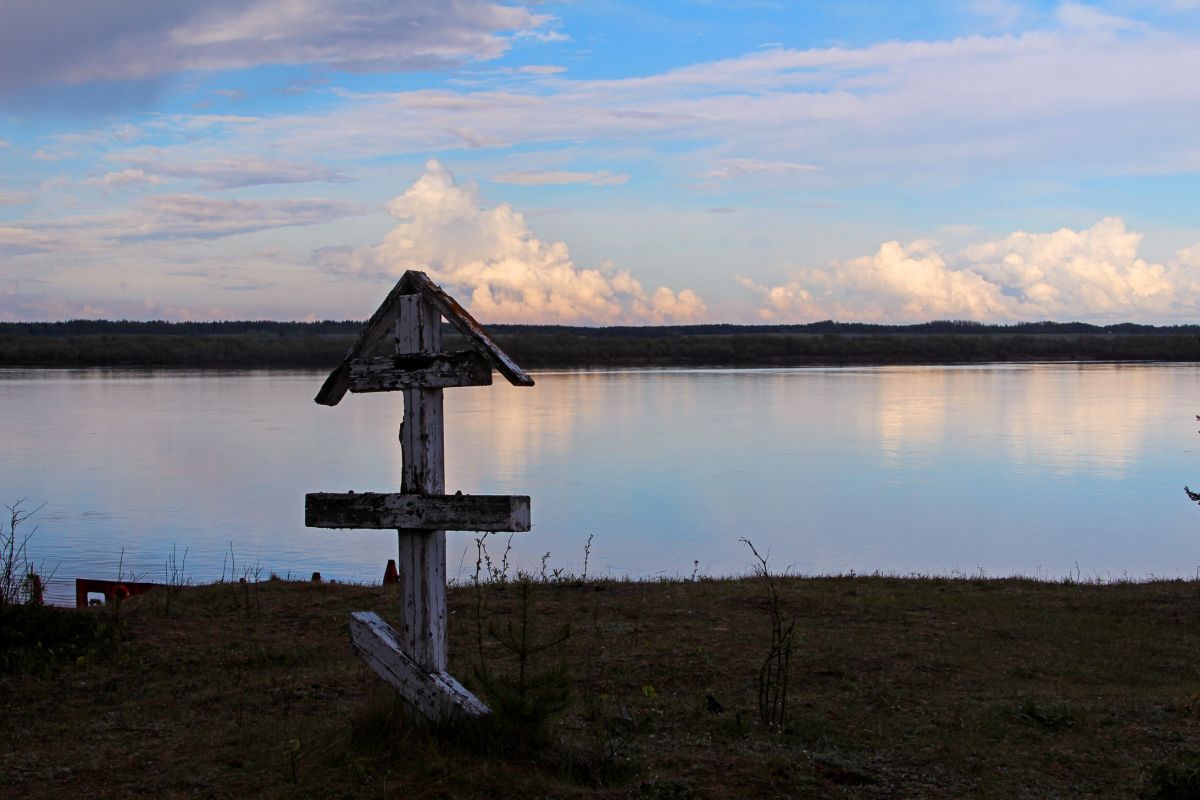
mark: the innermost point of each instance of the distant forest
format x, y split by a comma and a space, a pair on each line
87, 343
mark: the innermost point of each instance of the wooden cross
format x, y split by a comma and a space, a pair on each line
413, 659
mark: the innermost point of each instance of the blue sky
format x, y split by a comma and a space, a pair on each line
602, 162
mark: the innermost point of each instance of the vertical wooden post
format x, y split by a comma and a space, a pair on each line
422, 561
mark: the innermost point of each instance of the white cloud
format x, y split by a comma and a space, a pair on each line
1091, 274
196, 216
541, 69
15, 240
737, 167
78, 41
228, 172
127, 177
557, 177
1071, 98
169, 216
666, 305
489, 255
1093, 20
41, 154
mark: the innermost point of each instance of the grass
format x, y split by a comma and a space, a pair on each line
900, 687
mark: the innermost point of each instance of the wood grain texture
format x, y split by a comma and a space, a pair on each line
422, 551
415, 282
433, 694
378, 326
467, 325
453, 512
441, 371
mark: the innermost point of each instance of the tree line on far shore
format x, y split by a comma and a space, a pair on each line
88, 343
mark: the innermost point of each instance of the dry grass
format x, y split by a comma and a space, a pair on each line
900, 687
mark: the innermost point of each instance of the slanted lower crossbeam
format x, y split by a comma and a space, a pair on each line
433, 694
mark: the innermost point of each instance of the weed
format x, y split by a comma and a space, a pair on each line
248, 580
19, 581
174, 578
775, 671
495, 572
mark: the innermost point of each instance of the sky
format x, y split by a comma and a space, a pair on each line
602, 162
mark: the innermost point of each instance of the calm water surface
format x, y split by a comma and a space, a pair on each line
1032, 469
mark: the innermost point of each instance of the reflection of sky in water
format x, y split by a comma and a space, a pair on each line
1006, 468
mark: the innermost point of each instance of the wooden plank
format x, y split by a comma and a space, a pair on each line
440, 371
457, 316
435, 695
380, 511
378, 326
421, 579
422, 552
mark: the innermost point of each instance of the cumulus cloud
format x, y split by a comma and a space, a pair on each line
1091, 274
80, 41
557, 177
489, 255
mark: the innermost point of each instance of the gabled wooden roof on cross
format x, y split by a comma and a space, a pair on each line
383, 321
413, 659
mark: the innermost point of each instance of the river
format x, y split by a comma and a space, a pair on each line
1047, 470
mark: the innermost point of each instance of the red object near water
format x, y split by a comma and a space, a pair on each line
390, 575
112, 590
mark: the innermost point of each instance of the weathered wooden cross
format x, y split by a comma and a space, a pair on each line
413, 659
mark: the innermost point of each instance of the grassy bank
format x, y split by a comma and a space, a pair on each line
899, 687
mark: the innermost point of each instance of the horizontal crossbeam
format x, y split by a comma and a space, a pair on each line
435, 695
419, 371
452, 512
